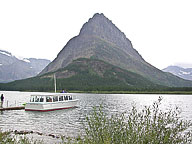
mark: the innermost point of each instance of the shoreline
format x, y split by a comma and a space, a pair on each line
115, 92
135, 92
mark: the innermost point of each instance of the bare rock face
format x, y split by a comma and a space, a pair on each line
102, 27
99, 38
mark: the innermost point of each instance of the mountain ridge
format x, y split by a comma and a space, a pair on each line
185, 73
14, 68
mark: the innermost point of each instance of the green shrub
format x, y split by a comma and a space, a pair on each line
149, 126
9, 138
5, 138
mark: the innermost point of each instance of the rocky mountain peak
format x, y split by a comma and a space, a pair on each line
99, 38
101, 26
95, 23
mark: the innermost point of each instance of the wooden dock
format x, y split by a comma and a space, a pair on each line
12, 108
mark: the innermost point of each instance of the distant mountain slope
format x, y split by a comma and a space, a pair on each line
100, 39
185, 73
85, 74
13, 68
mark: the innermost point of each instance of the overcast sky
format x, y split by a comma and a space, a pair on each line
160, 30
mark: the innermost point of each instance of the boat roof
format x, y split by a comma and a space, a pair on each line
53, 94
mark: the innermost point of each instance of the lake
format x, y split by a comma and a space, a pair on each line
68, 122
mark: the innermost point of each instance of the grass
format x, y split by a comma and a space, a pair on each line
150, 125
9, 138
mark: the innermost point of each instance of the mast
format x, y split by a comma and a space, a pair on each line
55, 83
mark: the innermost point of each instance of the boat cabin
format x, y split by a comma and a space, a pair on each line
50, 98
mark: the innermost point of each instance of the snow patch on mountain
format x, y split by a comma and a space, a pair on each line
23, 59
185, 73
26, 60
5, 53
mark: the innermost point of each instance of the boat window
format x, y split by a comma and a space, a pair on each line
37, 99
60, 98
48, 99
55, 98
41, 99
66, 97
32, 99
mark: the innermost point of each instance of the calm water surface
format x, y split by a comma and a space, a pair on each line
69, 122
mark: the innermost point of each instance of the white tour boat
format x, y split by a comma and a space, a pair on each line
50, 102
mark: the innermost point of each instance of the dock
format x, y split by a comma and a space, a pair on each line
12, 108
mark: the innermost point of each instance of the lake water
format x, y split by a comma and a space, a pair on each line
69, 122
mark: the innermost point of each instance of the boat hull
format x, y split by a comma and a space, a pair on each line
51, 106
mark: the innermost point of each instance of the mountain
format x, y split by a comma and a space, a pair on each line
100, 39
13, 68
185, 73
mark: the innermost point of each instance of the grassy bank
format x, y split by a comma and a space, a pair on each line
121, 92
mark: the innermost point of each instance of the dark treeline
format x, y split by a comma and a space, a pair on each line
82, 84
